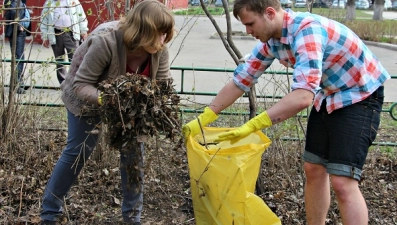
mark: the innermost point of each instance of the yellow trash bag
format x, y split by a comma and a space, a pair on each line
223, 177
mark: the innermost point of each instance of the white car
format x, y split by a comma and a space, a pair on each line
300, 4
338, 4
387, 5
362, 4
394, 5
219, 3
286, 3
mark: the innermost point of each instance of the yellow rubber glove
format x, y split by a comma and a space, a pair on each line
100, 99
258, 122
193, 127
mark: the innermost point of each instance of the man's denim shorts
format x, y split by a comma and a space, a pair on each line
340, 140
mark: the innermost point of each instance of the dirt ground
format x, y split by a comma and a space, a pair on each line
28, 155
95, 198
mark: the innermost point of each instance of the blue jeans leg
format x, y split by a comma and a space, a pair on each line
131, 188
80, 144
19, 52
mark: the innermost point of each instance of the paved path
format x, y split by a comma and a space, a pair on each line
387, 15
194, 47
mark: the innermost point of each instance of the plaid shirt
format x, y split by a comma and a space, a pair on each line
327, 57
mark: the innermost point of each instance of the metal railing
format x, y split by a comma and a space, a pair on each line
392, 110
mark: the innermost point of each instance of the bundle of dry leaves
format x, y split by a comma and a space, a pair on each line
135, 109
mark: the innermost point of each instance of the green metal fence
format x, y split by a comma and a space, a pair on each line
392, 110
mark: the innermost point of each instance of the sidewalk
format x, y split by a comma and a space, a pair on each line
387, 15
194, 46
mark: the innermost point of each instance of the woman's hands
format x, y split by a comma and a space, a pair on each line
100, 100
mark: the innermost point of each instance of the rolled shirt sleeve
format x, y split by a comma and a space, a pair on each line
247, 74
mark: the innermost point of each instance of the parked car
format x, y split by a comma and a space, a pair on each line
286, 3
218, 3
320, 3
300, 4
197, 2
387, 5
338, 4
394, 5
362, 4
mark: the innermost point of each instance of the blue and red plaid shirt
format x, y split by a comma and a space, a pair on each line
327, 57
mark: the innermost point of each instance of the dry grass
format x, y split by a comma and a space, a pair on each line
378, 31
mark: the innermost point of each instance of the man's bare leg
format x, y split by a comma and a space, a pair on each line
317, 193
352, 205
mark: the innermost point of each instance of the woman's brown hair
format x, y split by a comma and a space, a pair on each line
144, 24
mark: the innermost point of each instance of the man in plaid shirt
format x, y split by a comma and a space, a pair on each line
334, 71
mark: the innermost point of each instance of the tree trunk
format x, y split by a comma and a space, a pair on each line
236, 55
8, 112
378, 9
350, 10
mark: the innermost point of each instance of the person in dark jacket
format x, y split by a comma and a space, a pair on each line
11, 15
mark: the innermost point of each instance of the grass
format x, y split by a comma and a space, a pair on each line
360, 14
379, 31
197, 10
387, 109
363, 25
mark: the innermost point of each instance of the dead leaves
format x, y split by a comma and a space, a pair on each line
136, 107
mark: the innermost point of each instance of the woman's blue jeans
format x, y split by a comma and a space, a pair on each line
80, 144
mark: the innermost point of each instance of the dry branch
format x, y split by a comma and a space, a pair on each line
137, 107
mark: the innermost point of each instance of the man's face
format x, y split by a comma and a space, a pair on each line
260, 26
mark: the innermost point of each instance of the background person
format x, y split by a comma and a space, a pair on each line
333, 67
135, 44
10, 15
62, 24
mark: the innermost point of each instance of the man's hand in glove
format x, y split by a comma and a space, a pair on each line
193, 127
258, 122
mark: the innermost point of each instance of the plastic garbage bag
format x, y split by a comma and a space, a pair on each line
223, 177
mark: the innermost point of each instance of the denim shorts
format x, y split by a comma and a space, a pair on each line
340, 140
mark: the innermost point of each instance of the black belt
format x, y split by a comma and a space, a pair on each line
57, 31
379, 92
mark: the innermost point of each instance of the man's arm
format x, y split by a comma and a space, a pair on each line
290, 105
83, 22
287, 107
245, 75
226, 96
44, 21
11, 12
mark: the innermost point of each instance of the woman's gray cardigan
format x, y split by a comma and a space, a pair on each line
102, 56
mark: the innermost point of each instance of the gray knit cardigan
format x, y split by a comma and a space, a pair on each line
101, 56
